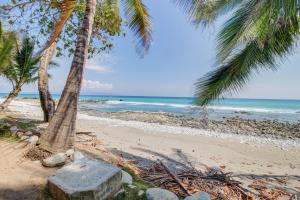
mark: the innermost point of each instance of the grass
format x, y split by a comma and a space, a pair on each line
7, 122
6, 134
132, 192
20, 124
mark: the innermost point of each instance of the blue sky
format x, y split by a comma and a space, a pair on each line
179, 55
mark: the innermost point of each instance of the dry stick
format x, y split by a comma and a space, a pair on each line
175, 178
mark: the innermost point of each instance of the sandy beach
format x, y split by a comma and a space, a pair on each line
248, 157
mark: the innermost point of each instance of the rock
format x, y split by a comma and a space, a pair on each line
14, 129
132, 186
70, 152
159, 194
33, 140
77, 155
20, 134
140, 193
126, 178
198, 196
55, 160
28, 133
85, 179
24, 137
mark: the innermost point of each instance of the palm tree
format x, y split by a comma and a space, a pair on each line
23, 71
256, 36
60, 132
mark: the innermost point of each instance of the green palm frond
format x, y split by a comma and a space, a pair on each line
232, 76
205, 12
139, 22
25, 68
256, 35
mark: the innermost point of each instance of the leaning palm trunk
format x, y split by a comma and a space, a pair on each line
60, 133
47, 103
12, 95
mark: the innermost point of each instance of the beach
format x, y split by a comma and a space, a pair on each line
247, 156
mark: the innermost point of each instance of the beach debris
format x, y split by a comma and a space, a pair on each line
76, 156
85, 179
188, 182
126, 178
174, 176
270, 193
198, 196
70, 152
33, 140
87, 138
55, 160
159, 194
37, 153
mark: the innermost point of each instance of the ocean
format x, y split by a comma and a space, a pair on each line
259, 109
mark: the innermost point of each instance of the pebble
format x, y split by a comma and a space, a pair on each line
55, 160
126, 178
199, 196
160, 194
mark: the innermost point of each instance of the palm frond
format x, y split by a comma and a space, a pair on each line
66, 8
254, 21
206, 11
25, 68
139, 22
232, 76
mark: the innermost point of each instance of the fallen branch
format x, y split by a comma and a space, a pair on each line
175, 178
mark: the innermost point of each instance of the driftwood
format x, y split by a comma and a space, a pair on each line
175, 178
84, 133
220, 185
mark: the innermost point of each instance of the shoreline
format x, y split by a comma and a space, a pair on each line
250, 158
171, 124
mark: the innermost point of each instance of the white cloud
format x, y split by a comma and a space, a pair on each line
98, 68
96, 85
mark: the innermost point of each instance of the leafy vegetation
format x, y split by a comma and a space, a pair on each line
61, 21
256, 36
133, 192
22, 71
7, 41
5, 133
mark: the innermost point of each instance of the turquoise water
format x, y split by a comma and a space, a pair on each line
282, 110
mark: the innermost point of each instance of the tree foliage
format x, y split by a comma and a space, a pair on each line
7, 42
25, 67
257, 36
60, 20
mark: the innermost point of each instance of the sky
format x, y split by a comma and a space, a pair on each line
180, 53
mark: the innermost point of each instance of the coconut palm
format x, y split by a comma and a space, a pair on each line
22, 71
257, 36
60, 133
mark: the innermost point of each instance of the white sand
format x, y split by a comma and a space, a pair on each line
242, 155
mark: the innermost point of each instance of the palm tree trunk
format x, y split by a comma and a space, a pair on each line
47, 103
60, 133
12, 95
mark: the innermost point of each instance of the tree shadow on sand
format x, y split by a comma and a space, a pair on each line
179, 160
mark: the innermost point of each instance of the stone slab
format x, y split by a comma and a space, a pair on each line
85, 179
